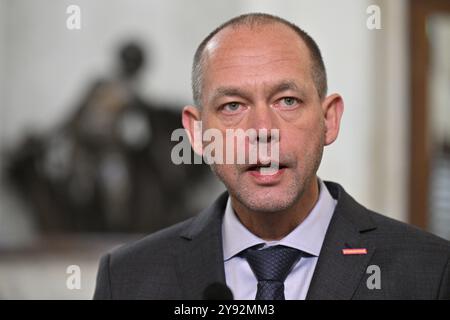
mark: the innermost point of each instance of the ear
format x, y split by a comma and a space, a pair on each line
333, 108
191, 119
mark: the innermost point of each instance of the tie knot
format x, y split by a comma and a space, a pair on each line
273, 263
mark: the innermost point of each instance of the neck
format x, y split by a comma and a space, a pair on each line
272, 226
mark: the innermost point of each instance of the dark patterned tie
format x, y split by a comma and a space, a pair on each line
271, 266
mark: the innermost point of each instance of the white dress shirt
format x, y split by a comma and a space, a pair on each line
307, 237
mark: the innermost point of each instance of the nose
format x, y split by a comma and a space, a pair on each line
264, 121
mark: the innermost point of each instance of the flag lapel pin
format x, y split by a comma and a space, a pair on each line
354, 251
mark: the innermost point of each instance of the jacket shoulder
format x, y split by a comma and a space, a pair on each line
125, 272
394, 233
380, 229
157, 244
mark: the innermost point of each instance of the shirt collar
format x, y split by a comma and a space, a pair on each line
308, 236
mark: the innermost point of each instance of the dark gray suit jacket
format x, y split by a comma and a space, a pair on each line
181, 261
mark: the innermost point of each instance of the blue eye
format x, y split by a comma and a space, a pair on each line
232, 106
289, 101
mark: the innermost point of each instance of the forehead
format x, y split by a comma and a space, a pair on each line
244, 55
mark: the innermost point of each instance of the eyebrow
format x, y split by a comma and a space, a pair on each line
229, 92
286, 85
281, 86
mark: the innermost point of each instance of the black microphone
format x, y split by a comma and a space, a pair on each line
217, 291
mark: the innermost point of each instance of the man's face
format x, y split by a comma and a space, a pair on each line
261, 78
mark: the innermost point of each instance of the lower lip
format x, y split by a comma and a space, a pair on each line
266, 179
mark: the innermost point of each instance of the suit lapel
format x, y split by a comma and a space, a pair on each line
337, 276
200, 263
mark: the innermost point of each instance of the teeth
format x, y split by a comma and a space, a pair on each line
268, 171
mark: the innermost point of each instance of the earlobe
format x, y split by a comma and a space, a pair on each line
191, 119
333, 107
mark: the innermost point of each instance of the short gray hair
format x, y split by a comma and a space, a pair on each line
251, 20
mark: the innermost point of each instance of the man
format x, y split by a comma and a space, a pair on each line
285, 234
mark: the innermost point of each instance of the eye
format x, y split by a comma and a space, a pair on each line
231, 107
288, 102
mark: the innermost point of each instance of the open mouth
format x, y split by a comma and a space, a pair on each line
268, 169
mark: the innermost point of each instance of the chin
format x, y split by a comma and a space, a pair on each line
263, 198
267, 201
